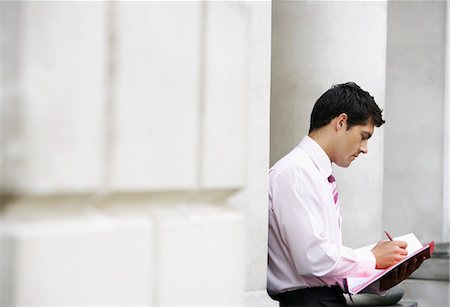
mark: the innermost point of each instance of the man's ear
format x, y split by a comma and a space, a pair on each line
341, 122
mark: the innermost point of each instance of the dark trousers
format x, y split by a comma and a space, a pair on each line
318, 296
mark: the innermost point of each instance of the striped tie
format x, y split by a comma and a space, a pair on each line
334, 190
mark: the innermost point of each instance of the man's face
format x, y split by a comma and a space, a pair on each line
352, 142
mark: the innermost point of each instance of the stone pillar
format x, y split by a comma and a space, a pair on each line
447, 135
416, 162
252, 199
315, 45
140, 155
8, 92
415, 95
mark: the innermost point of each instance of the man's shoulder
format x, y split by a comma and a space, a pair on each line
295, 159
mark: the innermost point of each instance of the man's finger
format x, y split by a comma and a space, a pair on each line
401, 244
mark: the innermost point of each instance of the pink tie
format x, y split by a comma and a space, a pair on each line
334, 190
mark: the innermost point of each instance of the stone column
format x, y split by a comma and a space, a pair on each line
252, 199
415, 95
447, 134
447, 141
315, 45
416, 161
142, 153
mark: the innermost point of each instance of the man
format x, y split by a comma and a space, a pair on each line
307, 261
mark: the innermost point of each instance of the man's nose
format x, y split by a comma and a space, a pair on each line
364, 149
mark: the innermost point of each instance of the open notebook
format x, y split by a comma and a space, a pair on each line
414, 248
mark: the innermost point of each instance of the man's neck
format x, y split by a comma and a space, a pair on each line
324, 139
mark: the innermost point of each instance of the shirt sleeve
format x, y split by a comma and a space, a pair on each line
305, 233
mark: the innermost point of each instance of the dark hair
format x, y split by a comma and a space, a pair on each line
346, 98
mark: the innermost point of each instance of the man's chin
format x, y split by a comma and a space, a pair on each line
344, 164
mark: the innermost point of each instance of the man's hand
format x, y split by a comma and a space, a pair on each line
388, 253
401, 273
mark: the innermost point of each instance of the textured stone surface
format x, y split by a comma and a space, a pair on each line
415, 89
226, 95
97, 261
156, 95
427, 293
433, 269
55, 121
200, 256
252, 198
163, 91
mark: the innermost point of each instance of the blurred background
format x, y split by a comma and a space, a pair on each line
136, 138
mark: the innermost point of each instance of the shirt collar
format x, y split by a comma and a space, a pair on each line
317, 154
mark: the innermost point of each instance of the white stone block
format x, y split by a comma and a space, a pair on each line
252, 199
81, 262
9, 30
156, 95
59, 118
226, 94
200, 257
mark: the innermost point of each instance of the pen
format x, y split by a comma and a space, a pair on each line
388, 235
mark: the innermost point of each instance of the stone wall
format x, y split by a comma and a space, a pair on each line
134, 152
